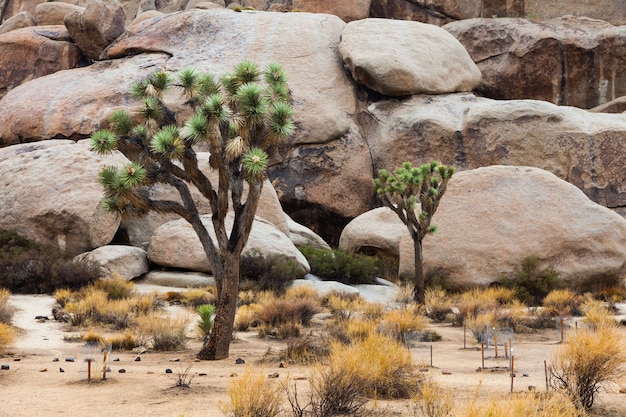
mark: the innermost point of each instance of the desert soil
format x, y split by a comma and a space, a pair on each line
41, 382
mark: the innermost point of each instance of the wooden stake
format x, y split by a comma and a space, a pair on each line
545, 368
512, 371
482, 349
104, 365
431, 356
561, 330
89, 370
495, 344
506, 351
464, 337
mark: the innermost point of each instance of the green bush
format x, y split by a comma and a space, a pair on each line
340, 265
267, 274
26, 267
530, 283
205, 323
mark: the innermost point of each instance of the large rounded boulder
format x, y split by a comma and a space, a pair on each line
491, 218
51, 195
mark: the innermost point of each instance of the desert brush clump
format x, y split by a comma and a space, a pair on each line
438, 304
531, 283
342, 305
432, 400
28, 267
163, 333
253, 395
385, 372
520, 405
307, 349
332, 392
563, 302
116, 287
341, 265
7, 335
6, 309
270, 274
284, 316
590, 360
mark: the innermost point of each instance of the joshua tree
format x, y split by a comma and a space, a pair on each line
402, 191
242, 120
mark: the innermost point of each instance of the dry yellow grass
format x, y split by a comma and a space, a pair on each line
6, 310
589, 360
382, 364
521, 405
7, 335
404, 320
562, 302
163, 332
253, 395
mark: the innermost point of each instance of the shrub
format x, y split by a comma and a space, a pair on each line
205, 323
597, 315
195, 297
432, 400
530, 283
373, 311
63, 296
383, 366
340, 265
342, 305
246, 317
92, 336
270, 274
306, 349
404, 320
26, 267
563, 303
116, 287
7, 335
253, 395
163, 333
301, 291
522, 405
478, 324
589, 360
6, 310
125, 341
281, 311
438, 304
333, 392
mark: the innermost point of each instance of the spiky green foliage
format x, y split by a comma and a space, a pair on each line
413, 193
242, 117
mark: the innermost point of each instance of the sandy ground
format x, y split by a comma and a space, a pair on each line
34, 384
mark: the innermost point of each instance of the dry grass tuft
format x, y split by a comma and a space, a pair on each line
563, 303
253, 395
164, 333
522, 405
432, 400
590, 359
7, 335
6, 309
116, 287
383, 365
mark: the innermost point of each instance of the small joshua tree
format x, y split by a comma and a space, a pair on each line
407, 190
242, 120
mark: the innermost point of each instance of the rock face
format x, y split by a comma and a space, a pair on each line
303, 236
406, 58
347, 10
491, 218
70, 104
53, 13
51, 195
34, 52
176, 245
469, 132
567, 61
94, 28
19, 21
321, 92
379, 229
127, 261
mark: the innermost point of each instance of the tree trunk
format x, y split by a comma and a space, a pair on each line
218, 344
419, 293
